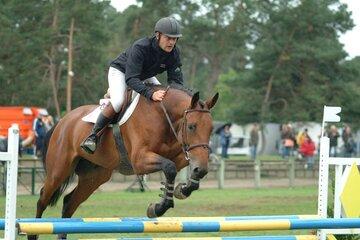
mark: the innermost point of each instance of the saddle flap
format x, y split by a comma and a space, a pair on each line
124, 106
92, 116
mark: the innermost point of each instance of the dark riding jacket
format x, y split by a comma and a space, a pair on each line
145, 59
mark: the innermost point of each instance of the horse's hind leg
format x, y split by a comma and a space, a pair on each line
88, 182
50, 192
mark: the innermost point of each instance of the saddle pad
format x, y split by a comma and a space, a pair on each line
91, 117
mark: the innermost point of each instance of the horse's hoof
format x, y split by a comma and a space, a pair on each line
151, 211
178, 193
32, 237
62, 236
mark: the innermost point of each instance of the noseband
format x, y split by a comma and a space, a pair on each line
186, 147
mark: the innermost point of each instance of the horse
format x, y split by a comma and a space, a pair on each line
166, 136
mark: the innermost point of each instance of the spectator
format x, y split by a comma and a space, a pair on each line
307, 150
280, 144
333, 135
288, 140
40, 131
300, 138
48, 121
254, 140
3, 144
349, 143
225, 136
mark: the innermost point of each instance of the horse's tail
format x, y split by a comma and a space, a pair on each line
56, 195
46, 145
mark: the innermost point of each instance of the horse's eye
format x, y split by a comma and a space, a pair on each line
192, 127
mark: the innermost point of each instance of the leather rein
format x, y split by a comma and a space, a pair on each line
186, 147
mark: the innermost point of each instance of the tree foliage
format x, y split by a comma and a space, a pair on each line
35, 36
296, 64
270, 60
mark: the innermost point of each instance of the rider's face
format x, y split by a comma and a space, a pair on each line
166, 43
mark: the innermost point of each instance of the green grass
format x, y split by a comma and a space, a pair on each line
260, 157
210, 202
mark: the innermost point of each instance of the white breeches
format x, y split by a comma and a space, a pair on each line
117, 87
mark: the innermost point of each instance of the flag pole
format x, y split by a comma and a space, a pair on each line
323, 123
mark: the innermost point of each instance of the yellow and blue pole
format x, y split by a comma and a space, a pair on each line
295, 237
231, 218
185, 226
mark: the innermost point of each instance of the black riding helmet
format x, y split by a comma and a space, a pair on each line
169, 27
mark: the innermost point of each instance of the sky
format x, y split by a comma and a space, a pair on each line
349, 39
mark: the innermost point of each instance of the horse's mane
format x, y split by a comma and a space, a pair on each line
180, 87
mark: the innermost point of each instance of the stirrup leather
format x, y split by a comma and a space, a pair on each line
90, 144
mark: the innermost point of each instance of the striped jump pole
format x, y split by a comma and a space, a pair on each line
184, 226
290, 237
160, 219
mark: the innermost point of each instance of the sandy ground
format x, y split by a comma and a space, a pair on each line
231, 183
155, 185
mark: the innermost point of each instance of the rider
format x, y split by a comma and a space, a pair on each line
140, 63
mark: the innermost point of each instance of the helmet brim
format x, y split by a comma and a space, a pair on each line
173, 35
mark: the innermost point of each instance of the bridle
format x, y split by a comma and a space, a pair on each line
186, 147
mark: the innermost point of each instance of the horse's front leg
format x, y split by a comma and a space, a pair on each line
184, 190
152, 163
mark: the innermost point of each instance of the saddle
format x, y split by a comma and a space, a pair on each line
130, 102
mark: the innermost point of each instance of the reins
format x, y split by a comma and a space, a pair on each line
168, 117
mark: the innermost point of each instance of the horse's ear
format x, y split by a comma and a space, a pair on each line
211, 102
194, 100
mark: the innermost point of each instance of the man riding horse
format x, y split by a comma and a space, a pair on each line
140, 63
165, 136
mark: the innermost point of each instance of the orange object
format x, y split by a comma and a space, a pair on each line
23, 116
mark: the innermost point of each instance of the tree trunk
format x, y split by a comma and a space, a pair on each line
52, 64
70, 74
192, 74
265, 104
215, 73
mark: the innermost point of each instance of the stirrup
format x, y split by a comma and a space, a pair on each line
89, 144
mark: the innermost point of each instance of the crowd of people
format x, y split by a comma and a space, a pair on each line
297, 144
304, 145
33, 143
349, 146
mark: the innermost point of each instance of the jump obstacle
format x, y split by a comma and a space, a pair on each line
185, 226
284, 237
11, 158
320, 222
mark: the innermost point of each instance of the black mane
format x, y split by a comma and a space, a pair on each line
180, 87
188, 91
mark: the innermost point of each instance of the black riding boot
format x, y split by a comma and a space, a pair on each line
89, 144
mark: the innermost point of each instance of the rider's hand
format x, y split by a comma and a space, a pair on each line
158, 96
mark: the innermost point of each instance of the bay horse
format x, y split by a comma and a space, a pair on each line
157, 138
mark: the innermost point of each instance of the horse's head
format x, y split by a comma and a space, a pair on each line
194, 134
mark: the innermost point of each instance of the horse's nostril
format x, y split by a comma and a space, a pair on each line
200, 172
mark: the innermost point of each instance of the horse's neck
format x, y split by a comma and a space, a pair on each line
177, 102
